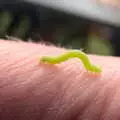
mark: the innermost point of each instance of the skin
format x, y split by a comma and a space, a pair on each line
110, 3
30, 90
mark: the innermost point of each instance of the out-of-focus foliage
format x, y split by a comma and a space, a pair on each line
58, 28
99, 46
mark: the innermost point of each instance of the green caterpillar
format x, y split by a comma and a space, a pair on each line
72, 54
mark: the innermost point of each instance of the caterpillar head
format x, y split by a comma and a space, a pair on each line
95, 69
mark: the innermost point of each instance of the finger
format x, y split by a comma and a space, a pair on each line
32, 90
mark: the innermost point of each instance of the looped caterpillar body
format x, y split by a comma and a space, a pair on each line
72, 54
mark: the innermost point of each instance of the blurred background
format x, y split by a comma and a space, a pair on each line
35, 22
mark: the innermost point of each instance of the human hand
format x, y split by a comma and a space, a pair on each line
30, 90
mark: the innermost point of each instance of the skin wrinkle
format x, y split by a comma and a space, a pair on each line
17, 64
11, 50
14, 63
43, 82
59, 91
61, 97
39, 96
110, 74
108, 115
55, 107
32, 104
13, 86
54, 90
17, 77
86, 102
71, 109
71, 96
100, 102
22, 57
18, 70
25, 60
114, 106
107, 80
36, 70
18, 83
73, 64
111, 89
52, 111
107, 91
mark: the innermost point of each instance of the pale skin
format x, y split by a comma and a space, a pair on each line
30, 90
111, 3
